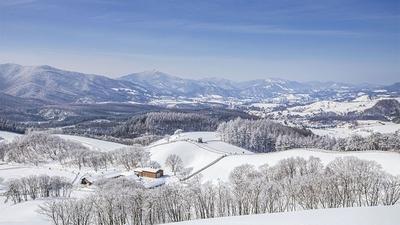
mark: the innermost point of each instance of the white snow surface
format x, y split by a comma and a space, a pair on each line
381, 215
8, 136
24, 213
13, 171
93, 144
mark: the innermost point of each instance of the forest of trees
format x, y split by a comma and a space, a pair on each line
38, 148
161, 123
8, 125
268, 136
292, 184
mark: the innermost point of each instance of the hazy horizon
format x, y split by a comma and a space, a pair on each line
341, 41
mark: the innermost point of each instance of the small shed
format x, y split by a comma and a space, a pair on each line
89, 180
149, 172
85, 181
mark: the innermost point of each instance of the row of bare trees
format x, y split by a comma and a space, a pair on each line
292, 184
34, 187
37, 148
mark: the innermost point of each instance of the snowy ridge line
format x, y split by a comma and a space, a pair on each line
204, 168
161, 144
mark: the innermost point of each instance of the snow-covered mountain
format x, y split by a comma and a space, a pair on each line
60, 86
169, 85
260, 89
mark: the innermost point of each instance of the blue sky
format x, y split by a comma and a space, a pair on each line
350, 41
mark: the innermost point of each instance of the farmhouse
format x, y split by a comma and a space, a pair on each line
149, 172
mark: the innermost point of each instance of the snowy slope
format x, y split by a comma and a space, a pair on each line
92, 143
12, 171
193, 154
24, 213
382, 215
390, 161
8, 136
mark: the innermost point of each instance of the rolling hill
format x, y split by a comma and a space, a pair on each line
382, 215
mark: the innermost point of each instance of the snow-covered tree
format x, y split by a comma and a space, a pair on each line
174, 162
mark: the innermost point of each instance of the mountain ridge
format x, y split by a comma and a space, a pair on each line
55, 85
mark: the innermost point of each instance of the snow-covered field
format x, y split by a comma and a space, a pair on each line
364, 128
382, 215
12, 171
357, 105
24, 213
8, 136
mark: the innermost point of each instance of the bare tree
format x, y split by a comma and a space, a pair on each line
174, 162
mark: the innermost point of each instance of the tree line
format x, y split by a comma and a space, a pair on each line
34, 187
292, 184
11, 126
161, 123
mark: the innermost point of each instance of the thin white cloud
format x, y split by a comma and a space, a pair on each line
15, 2
263, 29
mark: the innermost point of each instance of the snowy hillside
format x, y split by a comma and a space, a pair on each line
8, 136
22, 214
383, 215
195, 155
340, 107
221, 170
93, 144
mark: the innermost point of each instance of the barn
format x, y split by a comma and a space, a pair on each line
149, 172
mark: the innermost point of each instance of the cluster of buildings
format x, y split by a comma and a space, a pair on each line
148, 177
